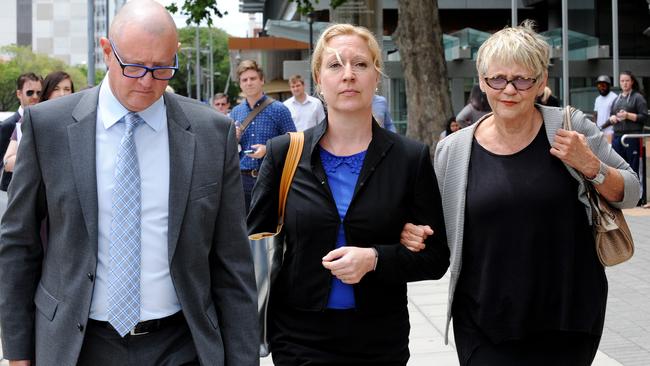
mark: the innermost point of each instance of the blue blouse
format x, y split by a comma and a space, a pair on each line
342, 174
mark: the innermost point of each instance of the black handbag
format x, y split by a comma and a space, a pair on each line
5, 179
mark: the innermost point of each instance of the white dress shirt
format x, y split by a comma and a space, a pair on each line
307, 114
158, 297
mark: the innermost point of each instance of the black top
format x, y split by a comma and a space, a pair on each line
634, 103
396, 185
529, 261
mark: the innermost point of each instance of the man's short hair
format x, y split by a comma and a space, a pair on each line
296, 79
221, 95
27, 76
249, 65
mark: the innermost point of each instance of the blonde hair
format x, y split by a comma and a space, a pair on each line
519, 45
296, 79
246, 65
336, 30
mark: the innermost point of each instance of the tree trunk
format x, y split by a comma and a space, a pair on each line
419, 39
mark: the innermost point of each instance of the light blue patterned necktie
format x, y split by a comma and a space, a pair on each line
124, 277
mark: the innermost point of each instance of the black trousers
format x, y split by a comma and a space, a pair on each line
248, 182
338, 337
169, 346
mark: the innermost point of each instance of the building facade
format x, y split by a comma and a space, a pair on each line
467, 23
58, 28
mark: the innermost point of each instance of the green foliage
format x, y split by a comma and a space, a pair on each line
220, 58
197, 11
8, 75
22, 59
305, 6
202, 10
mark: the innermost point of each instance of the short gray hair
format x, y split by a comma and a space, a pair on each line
519, 45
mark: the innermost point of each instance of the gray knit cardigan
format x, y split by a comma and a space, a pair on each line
451, 164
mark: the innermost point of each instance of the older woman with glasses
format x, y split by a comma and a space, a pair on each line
526, 285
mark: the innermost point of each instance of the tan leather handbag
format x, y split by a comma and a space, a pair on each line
268, 247
614, 243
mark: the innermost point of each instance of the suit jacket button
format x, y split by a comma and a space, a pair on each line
91, 277
80, 327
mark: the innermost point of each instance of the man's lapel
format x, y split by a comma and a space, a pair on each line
181, 162
81, 143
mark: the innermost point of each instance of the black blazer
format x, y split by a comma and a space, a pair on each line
7, 128
396, 185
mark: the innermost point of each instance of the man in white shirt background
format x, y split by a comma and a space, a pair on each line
603, 104
306, 111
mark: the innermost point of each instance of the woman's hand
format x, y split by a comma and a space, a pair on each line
571, 147
350, 264
613, 119
413, 236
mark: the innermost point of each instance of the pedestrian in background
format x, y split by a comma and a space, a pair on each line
547, 98
629, 113
56, 84
28, 92
355, 187
258, 118
381, 113
451, 127
526, 284
603, 105
220, 102
306, 111
477, 106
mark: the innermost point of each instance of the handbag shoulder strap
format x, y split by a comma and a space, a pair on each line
260, 107
566, 123
296, 143
297, 140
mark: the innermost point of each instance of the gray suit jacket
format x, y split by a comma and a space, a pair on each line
451, 164
45, 293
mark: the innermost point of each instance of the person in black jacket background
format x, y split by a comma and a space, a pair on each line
629, 114
28, 92
340, 296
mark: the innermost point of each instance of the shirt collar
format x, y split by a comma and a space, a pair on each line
111, 110
307, 100
259, 101
21, 110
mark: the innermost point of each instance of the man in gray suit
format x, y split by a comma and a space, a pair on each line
146, 260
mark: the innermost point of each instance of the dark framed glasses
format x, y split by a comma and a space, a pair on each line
30, 93
136, 71
500, 83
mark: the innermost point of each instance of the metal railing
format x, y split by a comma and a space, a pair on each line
642, 163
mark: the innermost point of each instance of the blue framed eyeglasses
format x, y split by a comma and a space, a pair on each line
136, 71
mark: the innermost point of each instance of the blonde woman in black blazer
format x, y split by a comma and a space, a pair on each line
340, 297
